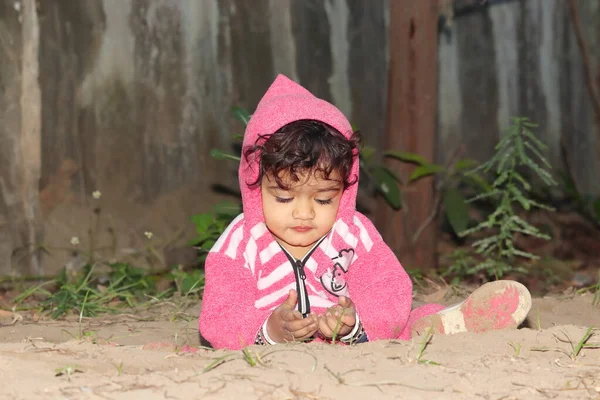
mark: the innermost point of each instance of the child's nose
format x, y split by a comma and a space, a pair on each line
304, 210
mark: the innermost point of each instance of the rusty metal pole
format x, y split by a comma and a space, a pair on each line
411, 126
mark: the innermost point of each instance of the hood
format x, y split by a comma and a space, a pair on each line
286, 101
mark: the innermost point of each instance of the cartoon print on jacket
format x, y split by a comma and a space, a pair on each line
334, 280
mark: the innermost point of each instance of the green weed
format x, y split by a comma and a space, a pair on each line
576, 348
252, 358
518, 151
90, 293
68, 370
423, 345
516, 347
119, 368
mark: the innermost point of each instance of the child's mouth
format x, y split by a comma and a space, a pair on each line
302, 228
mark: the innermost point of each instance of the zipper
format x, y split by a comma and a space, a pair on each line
303, 303
300, 275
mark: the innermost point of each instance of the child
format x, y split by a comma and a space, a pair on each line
301, 263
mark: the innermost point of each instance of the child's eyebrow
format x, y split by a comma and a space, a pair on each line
329, 189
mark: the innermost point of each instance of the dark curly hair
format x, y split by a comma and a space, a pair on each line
304, 146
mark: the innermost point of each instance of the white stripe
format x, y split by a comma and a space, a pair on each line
317, 301
250, 254
278, 274
234, 242
258, 230
315, 290
364, 235
274, 296
311, 265
219, 243
268, 253
331, 251
343, 230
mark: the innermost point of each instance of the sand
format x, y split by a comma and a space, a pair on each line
158, 357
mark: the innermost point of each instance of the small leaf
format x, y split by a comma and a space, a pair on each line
241, 114
191, 284
478, 183
465, 163
456, 210
406, 157
207, 244
221, 155
424, 170
388, 186
367, 152
202, 222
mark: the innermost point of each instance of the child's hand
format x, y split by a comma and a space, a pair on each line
331, 319
287, 325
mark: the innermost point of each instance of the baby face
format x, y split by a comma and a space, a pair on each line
304, 212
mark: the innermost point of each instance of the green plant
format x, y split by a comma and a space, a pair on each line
91, 294
519, 149
576, 348
69, 370
450, 180
119, 368
209, 226
424, 343
516, 347
188, 283
461, 266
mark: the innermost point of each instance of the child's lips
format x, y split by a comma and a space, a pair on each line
302, 228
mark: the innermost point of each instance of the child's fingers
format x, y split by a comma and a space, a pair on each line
324, 327
291, 300
291, 315
305, 331
349, 317
335, 325
302, 327
345, 302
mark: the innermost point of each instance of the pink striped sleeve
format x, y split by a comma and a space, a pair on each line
229, 318
379, 286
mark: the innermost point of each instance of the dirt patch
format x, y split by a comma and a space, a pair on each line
131, 357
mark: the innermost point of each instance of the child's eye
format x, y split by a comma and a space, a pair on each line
283, 199
324, 202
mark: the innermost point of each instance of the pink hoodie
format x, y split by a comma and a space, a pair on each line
248, 275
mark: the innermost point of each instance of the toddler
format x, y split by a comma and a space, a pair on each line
300, 263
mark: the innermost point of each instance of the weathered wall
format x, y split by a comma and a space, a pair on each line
521, 58
135, 93
10, 125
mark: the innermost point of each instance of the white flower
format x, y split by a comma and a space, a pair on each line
74, 240
96, 194
17, 6
148, 234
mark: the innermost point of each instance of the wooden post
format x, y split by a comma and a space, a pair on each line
31, 141
411, 126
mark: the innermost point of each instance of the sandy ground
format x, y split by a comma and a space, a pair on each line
123, 357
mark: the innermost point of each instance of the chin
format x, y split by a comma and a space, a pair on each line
303, 243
